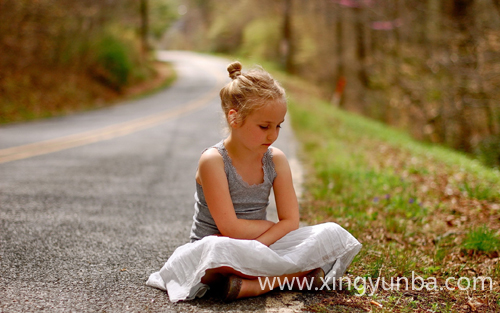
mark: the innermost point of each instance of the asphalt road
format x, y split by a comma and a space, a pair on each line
92, 203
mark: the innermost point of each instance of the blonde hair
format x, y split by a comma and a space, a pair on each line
249, 91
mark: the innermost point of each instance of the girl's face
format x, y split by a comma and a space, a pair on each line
261, 128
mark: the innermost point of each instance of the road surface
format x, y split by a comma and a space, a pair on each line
92, 203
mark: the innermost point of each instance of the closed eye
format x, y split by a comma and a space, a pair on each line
267, 127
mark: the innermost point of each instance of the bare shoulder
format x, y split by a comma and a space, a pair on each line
279, 158
211, 157
211, 153
210, 165
278, 154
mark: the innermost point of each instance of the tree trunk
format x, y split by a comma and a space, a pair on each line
287, 43
144, 28
463, 22
433, 23
341, 81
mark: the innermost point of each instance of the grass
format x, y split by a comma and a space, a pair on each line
481, 239
417, 208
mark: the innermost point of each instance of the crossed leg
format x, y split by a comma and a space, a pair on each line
251, 286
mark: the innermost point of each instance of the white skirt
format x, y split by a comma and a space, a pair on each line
327, 245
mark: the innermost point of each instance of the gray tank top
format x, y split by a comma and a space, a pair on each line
250, 201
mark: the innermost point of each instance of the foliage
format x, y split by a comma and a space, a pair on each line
481, 239
162, 15
261, 39
488, 151
225, 33
113, 62
62, 56
239, 25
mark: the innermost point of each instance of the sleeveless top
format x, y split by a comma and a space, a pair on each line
250, 201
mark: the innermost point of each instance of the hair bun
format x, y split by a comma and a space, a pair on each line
234, 69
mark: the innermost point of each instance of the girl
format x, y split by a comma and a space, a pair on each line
233, 248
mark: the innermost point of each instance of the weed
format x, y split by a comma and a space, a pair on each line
394, 224
413, 304
114, 65
376, 267
481, 239
440, 254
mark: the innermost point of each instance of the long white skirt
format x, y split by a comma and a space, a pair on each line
327, 245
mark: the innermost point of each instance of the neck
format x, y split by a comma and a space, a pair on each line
239, 152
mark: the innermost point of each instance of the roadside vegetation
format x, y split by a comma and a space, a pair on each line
52, 98
59, 58
418, 209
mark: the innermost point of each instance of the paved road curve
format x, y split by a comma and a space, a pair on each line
91, 204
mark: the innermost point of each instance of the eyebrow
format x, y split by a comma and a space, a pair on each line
270, 122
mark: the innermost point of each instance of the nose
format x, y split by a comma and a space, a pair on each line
273, 134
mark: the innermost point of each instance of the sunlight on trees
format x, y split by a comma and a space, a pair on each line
59, 56
430, 67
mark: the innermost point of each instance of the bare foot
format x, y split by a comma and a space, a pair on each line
252, 288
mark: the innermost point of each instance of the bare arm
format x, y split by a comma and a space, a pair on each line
286, 201
213, 179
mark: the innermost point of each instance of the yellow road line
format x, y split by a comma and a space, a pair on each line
109, 132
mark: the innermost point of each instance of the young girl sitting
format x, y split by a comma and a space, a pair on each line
233, 247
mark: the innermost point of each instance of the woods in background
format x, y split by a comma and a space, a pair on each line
65, 55
431, 67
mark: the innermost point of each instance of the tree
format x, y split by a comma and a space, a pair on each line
287, 42
144, 27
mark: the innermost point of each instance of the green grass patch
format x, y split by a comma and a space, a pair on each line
113, 62
481, 239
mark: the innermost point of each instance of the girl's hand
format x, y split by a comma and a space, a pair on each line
286, 201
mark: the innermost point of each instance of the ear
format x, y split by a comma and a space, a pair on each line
232, 118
